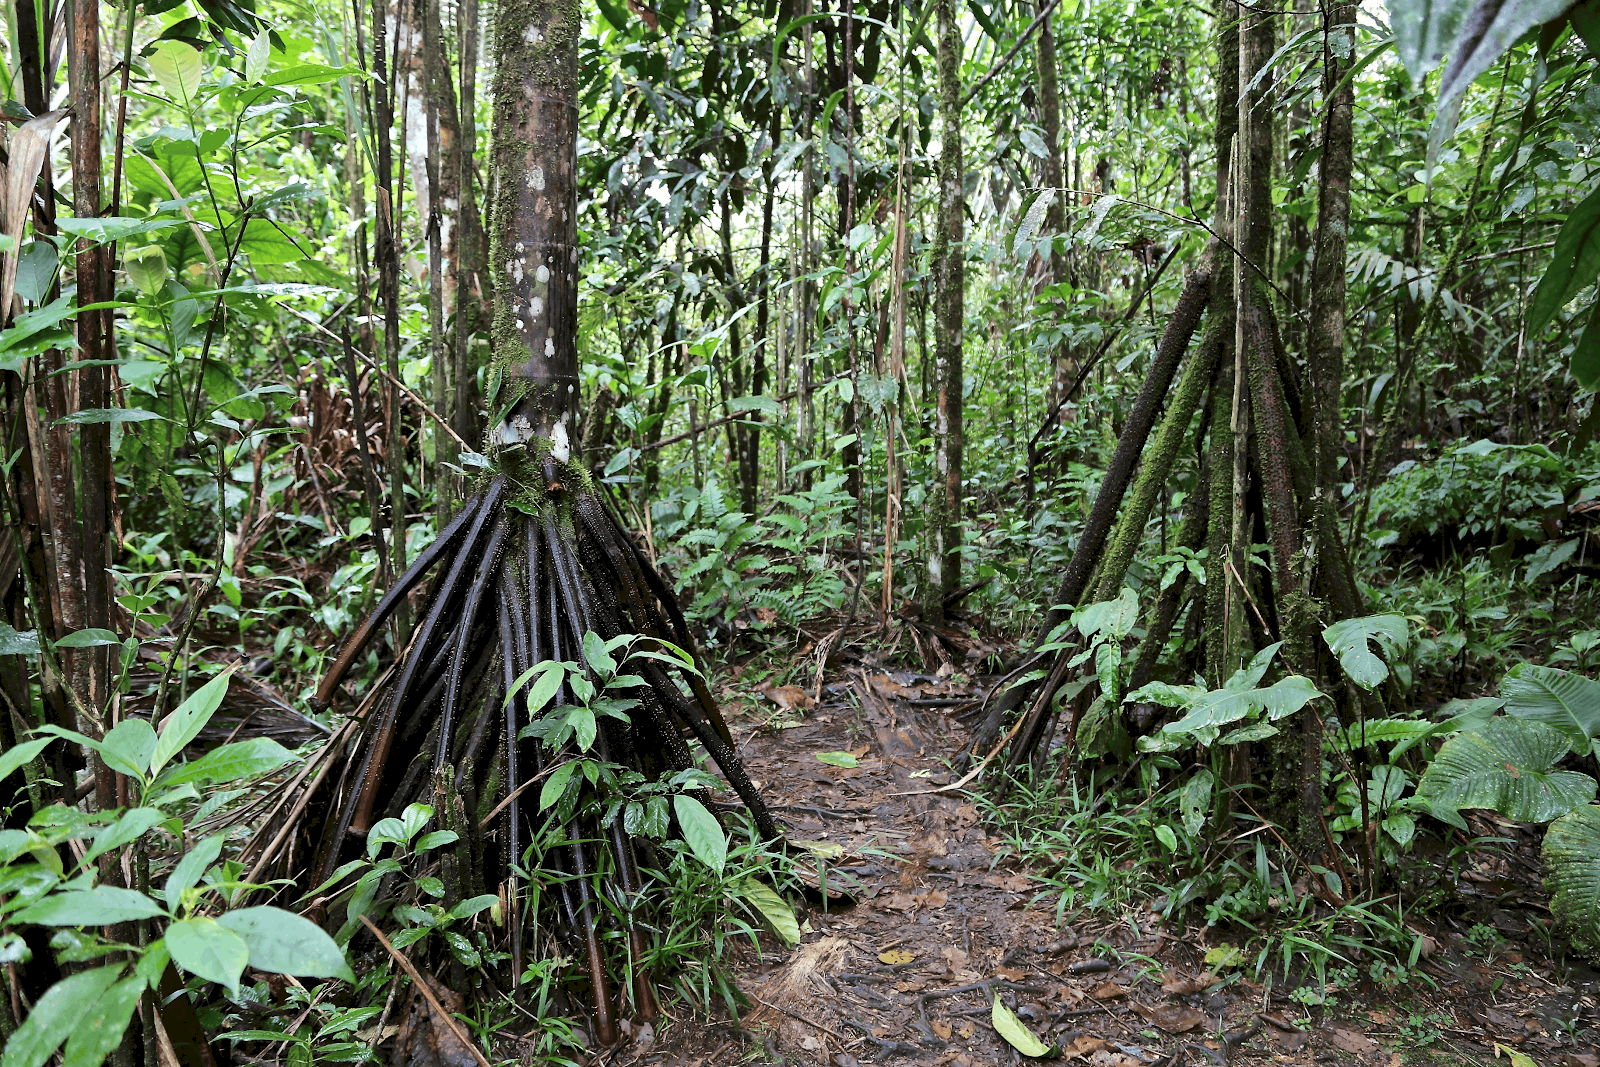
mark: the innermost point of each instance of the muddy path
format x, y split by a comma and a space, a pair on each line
941, 918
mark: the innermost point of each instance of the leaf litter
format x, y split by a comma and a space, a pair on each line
930, 949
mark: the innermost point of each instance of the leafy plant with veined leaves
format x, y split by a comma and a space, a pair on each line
1514, 764
189, 919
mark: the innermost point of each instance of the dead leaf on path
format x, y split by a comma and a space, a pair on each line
896, 955
1083, 1046
1183, 987
1353, 1042
425, 1039
943, 1028
1011, 883
1108, 991
1173, 1018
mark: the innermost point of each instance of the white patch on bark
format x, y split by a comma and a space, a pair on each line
536, 178
560, 447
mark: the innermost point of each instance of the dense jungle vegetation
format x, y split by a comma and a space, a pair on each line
542, 531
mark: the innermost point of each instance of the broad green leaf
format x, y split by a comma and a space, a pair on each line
146, 268
1508, 767
308, 74
257, 58
183, 725
29, 323
187, 874
837, 759
436, 839
1567, 701
100, 906
98, 416
105, 230
1549, 558
468, 908
127, 747
92, 638
56, 1015
281, 942
178, 67
100, 1029
1573, 264
1194, 801
1114, 618
36, 268
1572, 874
1244, 735
131, 826
231, 762
1017, 1035
755, 403
17, 755
1350, 640
18, 643
597, 655
1034, 217
1286, 696
207, 949
556, 786
701, 831
774, 909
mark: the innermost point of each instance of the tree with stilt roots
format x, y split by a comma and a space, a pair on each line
533, 564
1264, 430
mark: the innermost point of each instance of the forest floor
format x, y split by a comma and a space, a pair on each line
939, 918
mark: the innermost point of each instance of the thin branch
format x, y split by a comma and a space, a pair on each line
1009, 56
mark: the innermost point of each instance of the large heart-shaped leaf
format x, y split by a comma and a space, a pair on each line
1508, 766
1350, 641
1569, 702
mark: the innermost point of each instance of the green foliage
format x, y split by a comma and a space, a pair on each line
1572, 863
1476, 490
194, 927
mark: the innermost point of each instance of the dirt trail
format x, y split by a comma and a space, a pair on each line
942, 920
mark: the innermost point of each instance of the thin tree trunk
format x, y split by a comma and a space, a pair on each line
949, 270
1055, 215
387, 252
94, 439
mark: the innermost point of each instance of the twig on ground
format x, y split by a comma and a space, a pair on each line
427, 993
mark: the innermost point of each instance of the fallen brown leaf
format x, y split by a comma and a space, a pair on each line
1083, 1045
1180, 986
1173, 1018
1353, 1042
